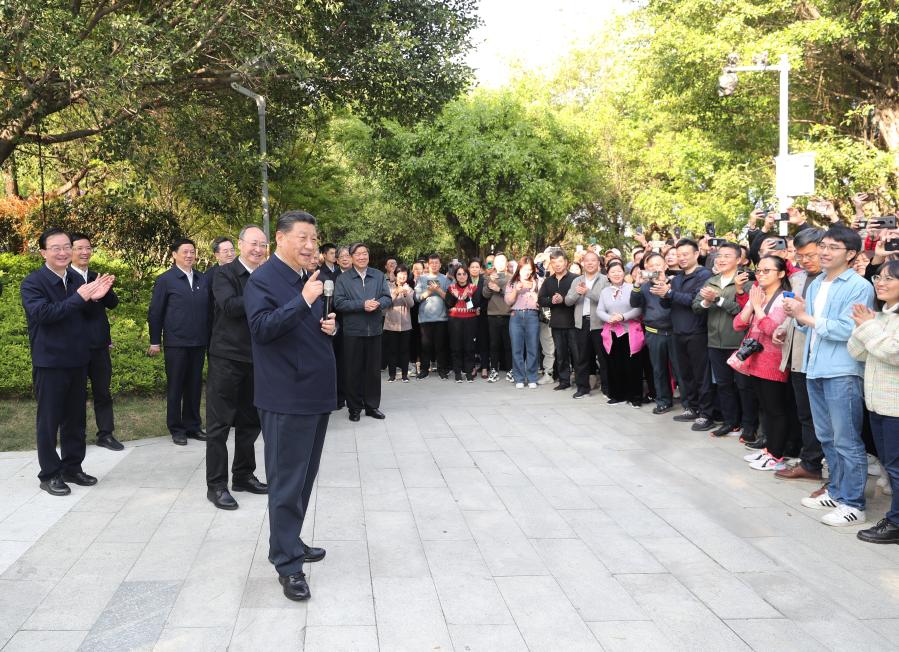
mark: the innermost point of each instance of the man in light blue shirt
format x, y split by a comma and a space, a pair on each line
833, 377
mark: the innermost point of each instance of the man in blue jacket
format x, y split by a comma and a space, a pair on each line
56, 301
179, 317
295, 388
99, 369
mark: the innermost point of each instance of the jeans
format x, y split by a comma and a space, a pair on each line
661, 353
524, 331
837, 413
886, 438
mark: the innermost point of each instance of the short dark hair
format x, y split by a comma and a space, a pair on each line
733, 246
356, 246
42, 240
845, 236
287, 219
325, 248
557, 252
687, 242
402, 268
75, 236
650, 256
475, 260
219, 241
433, 256
615, 262
808, 236
177, 243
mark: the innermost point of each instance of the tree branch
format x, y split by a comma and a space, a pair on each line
68, 136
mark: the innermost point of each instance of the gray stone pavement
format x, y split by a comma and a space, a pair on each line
476, 517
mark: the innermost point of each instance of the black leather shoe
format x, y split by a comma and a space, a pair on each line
313, 554
221, 498
661, 409
561, 386
200, 435
110, 442
295, 587
56, 487
884, 532
580, 394
354, 415
80, 478
374, 413
760, 443
180, 439
250, 483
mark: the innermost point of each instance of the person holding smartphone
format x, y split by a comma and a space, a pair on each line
463, 300
524, 323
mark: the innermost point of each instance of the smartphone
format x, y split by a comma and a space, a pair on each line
779, 245
789, 295
710, 229
883, 222
783, 224
490, 265
716, 242
639, 230
891, 245
677, 232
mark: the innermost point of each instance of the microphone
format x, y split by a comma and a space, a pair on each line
328, 294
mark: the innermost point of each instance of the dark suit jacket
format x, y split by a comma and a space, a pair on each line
179, 314
230, 331
325, 274
97, 321
293, 361
57, 319
350, 295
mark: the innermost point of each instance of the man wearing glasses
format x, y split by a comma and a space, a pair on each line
833, 377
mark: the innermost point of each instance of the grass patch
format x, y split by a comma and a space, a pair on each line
136, 417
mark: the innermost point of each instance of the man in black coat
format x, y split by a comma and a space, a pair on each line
229, 378
295, 388
561, 316
56, 301
99, 369
179, 316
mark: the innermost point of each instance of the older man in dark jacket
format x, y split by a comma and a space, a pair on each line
360, 296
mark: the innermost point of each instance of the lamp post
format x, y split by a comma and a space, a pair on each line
260, 106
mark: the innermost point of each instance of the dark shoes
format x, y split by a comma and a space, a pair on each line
295, 587
221, 498
80, 478
580, 394
200, 435
56, 487
884, 532
354, 415
758, 444
798, 473
661, 409
110, 442
180, 439
702, 423
686, 416
313, 554
725, 430
561, 386
250, 483
374, 413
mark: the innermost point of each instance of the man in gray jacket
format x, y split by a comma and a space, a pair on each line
430, 291
583, 295
360, 295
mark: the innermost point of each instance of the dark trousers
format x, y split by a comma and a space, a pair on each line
434, 346
661, 353
565, 341
229, 402
725, 379
775, 405
749, 403
61, 393
293, 450
396, 345
811, 457
184, 377
99, 372
362, 371
500, 342
338, 359
625, 371
483, 342
693, 354
591, 356
463, 341
886, 439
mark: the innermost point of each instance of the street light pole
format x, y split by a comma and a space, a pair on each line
260, 105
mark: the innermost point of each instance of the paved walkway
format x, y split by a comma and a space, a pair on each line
518, 520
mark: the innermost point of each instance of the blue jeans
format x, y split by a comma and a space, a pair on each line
837, 413
524, 331
886, 438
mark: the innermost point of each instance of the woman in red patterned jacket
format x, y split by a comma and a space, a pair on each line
462, 301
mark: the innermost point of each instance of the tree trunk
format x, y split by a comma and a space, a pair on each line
887, 120
11, 179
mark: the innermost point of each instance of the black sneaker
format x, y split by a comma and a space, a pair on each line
614, 401
724, 431
686, 416
760, 443
702, 423
884, 532
661, 409
580, 394
422, 375
748, 436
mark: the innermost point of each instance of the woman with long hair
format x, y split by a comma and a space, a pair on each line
759, 358
622, 338
483, 336
463, 300
524, 323
398, 324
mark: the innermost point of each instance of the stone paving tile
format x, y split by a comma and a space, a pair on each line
341, 638
409, 615
134, 618
35, 640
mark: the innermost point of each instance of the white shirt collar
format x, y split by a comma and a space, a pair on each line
83, 272
892, 310
249, 271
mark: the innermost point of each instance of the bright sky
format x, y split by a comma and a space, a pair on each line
535, 33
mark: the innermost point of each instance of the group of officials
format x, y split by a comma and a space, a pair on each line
271, 366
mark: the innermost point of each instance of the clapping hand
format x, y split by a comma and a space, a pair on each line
581, 288
757, 298
371, 305
557, 298
861, 313
96, 289
708, 294
794, 307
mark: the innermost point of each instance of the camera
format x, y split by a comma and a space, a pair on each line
749, 347
652, 276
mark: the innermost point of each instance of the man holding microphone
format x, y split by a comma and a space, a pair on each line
295, 388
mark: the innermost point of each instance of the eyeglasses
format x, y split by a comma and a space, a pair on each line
58, 248
877, 278
766, 270
827, 247
807, 256
255, 244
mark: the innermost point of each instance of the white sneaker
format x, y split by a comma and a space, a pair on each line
755, 456
532, 385
519, 385
884, 483
824, 501
510, 377
493, 377
766, 463
545, 380
844, 515
874, 468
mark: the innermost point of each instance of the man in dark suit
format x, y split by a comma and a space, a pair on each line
295, 388
99, 369
330, 270
179, 315
360, 296
229, 378
56, 301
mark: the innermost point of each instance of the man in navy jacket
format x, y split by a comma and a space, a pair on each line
99, 369
295, 388
56, 301
179, 318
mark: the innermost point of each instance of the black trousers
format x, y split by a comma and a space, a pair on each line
99, 372
500, 342
625, 371
293, 450
61, 394
591, 356
775, 405
362, 371
396, 345
184, 378
229, 402
463, 340
693, 356
565, 342
338, 359
726, 379
434, 346
811, 457
483, 343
